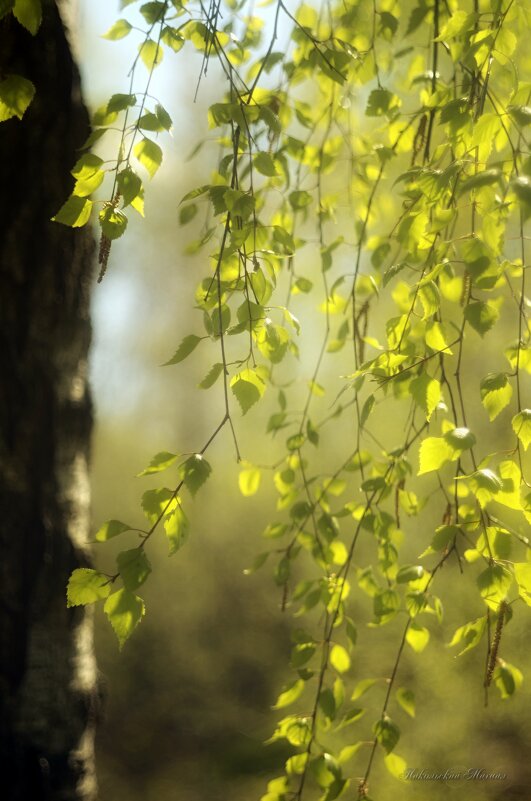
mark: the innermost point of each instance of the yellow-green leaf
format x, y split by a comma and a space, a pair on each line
118, 30
151, 53
29, 14
339, 658
149, 155
86, 586
521, 423
16, 93
125, 611
75, 212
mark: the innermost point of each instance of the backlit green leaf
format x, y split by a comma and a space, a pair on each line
86, 586
118, 30
29, 14
481, 316
129, 185
249, 481
507, 679
248, 388
149, 155
75, 212
161, 461
187, 346
111, 529
195, 472
339, 658
125, 611
289, 694
113, 222
177, 528
134, 567
417, 637
406, 699
521, 424
387, 733
16, 93
496, 393
151, 53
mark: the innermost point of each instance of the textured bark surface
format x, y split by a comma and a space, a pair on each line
47, 669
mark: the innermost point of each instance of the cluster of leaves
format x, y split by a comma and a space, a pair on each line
434, 182
16, 91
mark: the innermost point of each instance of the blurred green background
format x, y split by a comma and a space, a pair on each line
188, 701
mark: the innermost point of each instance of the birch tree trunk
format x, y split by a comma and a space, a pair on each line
47, 667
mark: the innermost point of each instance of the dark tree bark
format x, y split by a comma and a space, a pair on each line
47, 668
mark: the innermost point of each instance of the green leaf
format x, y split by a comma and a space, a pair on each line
485, 178
417, 637
75, 212
212, 376
496, 393
470, 633
111, 529
381, 101
396, 765
86, 586
387, 733
458, 23
195, 472
507, 679
406, 699
88, 174
16, 93
118, 30
494, 583
187, 346
172, 38
409, 573
444, 535
120, 102
134, 567
156, 501
151, 53
289, 694
481, 316
521, 424
300, 199
265, 164
434, 453
177, 528
522, 574
460, 439
149, 155
150, 122
521, 114
29, 14
129, 185
163, 117
161, 461
339, 658
125, 611
187, 213
362, 687
426, 392
153, 12
248, 388
249, 481
113, 222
